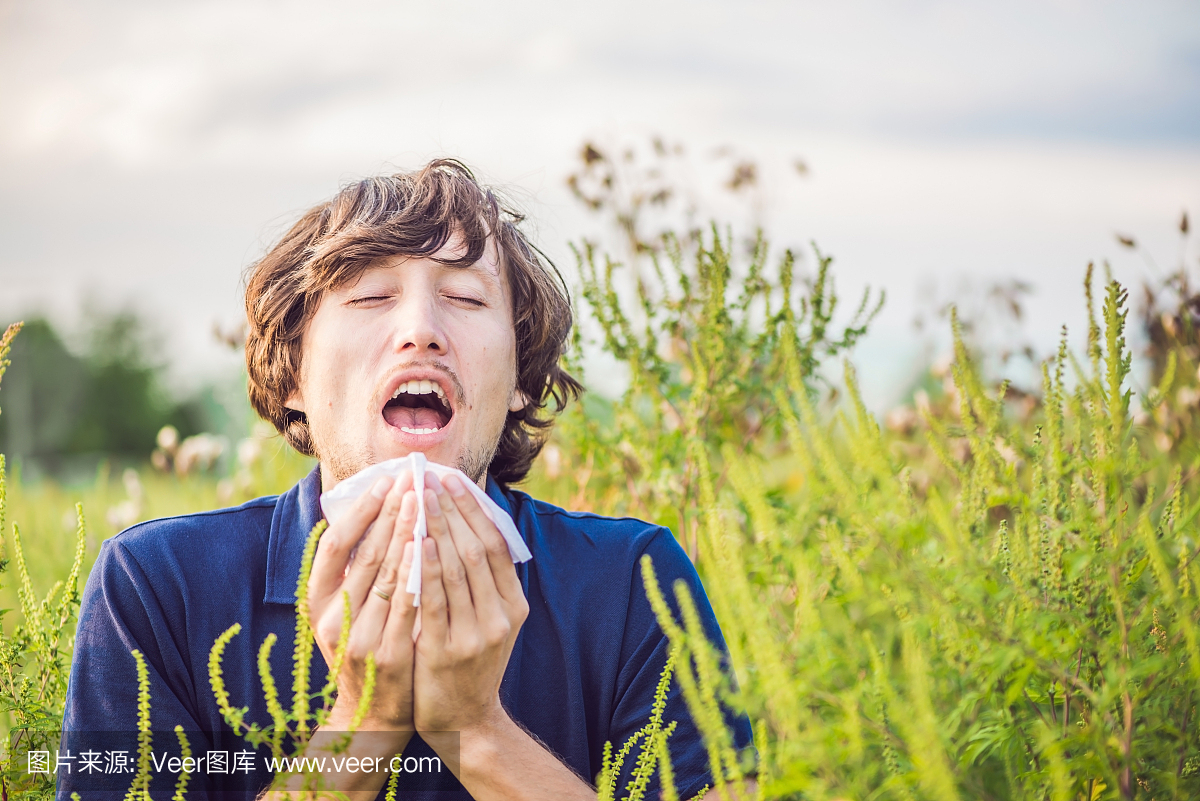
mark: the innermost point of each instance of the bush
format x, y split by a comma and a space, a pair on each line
1000, 602
1000, 606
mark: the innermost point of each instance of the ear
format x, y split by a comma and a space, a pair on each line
517, 401
295, 401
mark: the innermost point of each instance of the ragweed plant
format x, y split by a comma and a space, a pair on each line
1021, 626
704, 348
652, 755
291, 729
35, 658
699, 320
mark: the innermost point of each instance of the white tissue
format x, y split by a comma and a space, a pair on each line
338, 501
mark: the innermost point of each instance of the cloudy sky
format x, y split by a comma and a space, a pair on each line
149, 151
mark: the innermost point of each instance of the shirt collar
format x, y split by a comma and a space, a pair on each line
296, 512
497, 494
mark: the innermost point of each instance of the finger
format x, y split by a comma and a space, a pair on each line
333, 550
434, 624
374, 548
454, 574
402, 614
504, 572
367, 630
388, 575
471, 552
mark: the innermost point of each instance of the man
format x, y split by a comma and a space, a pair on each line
407, 314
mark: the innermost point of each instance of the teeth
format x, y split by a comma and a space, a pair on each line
408, 430
422, 387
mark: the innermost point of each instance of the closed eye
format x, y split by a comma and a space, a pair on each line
472, 301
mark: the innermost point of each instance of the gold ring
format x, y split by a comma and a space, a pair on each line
380, 593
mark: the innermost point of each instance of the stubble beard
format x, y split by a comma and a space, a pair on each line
344, 462
474, 463
341, 461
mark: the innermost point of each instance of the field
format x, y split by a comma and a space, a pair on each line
45, 510
994, 595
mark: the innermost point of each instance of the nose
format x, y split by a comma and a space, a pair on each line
419, 330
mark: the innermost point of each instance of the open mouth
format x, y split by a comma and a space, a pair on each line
418, 407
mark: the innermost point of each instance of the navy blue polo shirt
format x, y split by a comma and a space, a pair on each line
582, 672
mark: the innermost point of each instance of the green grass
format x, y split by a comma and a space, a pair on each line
45, 509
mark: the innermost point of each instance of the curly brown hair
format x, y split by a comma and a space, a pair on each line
408, 214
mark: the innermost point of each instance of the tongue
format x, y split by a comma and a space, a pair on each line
402, 417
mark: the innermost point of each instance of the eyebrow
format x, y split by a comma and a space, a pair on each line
478, 268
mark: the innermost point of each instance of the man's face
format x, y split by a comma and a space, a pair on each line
413, 356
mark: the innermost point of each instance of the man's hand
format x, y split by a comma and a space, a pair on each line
472, 606
381, 612
381, 623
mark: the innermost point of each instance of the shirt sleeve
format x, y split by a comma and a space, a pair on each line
643, 657
120, 613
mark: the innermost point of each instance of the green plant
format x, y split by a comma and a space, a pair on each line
701, 322
290, 732
36, 649
1021, 625
35, 658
